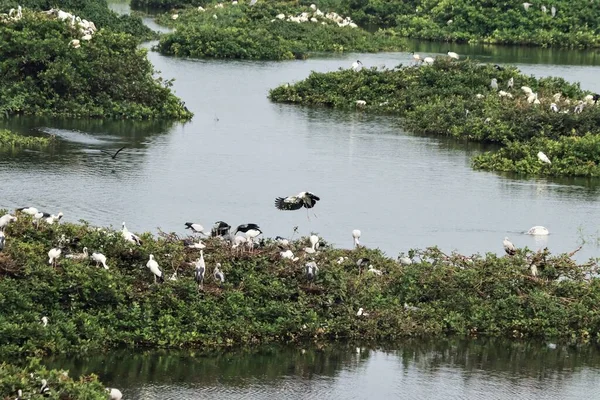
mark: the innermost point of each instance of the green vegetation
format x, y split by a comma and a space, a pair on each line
8, 138
241, 31
454, 98
266, 298
106, 77
573, 25
29, 380
96, 11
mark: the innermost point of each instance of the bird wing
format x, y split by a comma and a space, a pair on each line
288, 203
118, 151
106, 152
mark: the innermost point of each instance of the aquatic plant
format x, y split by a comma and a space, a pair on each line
454, 98
106, 77
241, 31
267, 298
12, 139
28, 378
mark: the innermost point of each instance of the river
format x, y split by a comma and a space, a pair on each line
441, 369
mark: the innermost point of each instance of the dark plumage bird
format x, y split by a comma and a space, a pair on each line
362, 263
246, 227
2, 240
220, 228
113, 156
596, 97
302, 199
196, 228
498, 67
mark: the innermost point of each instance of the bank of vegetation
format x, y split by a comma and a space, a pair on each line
560, 23
456, 98
267, 31
54, 67
11, 139
77, 306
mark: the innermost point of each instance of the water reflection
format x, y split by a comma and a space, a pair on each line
422, 369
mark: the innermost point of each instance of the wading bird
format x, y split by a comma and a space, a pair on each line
113, 156
5, 220
220, 228
130, 237
45, 321
357, 65
302, 199
554, 107
196, 228
543, 158
356, 236
78, 256
155, 269
53, 256
200, 270
100, 259
494, 84
452, 54
511, 83
509, 248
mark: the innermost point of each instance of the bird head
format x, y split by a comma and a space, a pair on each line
151, 257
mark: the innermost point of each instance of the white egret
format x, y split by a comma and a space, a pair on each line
543, 158
579, 107
288, 254
302, 199
494, 84
428, 60
196, 228
374, 271
405, 260
554, 107
314, 241
357, 65
129, 236
114, 394
99, 258
526, 6
452, 54
75, 43
416, 57
155, 269
553, 11
45, 321
544, 9
79, 256
5, 220
198, 245
200, 270
538, 230
19, 395
356, 236
54, 218
509, 248
53, 256
218, 274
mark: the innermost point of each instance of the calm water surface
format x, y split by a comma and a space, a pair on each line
475, 369
241, 151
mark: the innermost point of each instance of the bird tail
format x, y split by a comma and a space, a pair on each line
162, 278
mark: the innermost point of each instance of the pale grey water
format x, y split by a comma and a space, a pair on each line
444, 369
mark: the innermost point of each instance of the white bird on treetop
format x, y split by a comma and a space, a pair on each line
356, 236
53, 256
543, 158
130, 237
509, 248
100, 258
153, 266
357, 65
452, 54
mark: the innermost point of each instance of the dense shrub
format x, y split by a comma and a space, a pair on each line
108, 76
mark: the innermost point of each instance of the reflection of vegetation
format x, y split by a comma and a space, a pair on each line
241, 31
454, 98
106, 77
29, 380
267, 299
11, 139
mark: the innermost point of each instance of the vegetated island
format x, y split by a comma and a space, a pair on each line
273, 30
57, 63
72, 303
521, 114
560, 23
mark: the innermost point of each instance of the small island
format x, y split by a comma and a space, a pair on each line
58, 63
521, 115
276, 30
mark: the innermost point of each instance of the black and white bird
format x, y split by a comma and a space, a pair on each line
246, 227
155, 269
302, 199
45, 389
357, 65
220, 228
28, 210
200, 270
53, 218
362, 263
114, 394
554, 107
2, 240
196, 228
130, 237
19, 395
311, 270
39, 216
218, 274
5, 220
509, 248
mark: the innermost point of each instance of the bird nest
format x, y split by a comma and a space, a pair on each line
7, 265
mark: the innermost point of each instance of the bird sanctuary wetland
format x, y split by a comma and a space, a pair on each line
305, 92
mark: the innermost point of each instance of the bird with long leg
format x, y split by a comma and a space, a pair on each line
302, 199
200, 270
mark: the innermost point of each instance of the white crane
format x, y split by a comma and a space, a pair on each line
130, 237
543, 158
452, 54
155, 269
356, 236
200, 270
53, 256
99, 258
